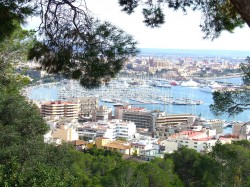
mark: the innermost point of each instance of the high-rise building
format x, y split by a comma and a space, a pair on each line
60, 109
152, 120
141, 118
87, 105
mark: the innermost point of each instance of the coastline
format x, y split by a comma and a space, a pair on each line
213, 78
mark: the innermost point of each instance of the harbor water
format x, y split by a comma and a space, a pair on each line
49, 93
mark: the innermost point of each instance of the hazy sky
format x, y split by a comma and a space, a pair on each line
179, 32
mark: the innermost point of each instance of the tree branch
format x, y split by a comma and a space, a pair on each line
243, 8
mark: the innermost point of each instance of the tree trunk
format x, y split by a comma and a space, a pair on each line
243, 8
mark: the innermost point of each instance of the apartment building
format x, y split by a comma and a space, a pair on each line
141, 118
152, 120
87, 105
175, 119
102, 113
198, 140
113, 129
201, 141
118, 112
172, 123
60, 109
156, 121
143, 144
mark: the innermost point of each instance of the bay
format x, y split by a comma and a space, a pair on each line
51, 93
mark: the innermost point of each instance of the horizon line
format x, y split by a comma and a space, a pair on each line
194, 49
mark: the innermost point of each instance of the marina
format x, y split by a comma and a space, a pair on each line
140, 93
121, 91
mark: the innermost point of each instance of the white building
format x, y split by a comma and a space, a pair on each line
145, 145
108, 129
120, 129
198, 140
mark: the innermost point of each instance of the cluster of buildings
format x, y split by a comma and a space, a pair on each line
132, 130
135, 130
176, 67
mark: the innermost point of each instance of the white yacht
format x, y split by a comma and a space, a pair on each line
210, 88
190, 83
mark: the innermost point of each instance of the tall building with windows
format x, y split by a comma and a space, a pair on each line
141, 118
120, 129
102, 113
154, 120
87, 105
60, 109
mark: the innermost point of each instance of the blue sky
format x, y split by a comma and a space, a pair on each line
179, 32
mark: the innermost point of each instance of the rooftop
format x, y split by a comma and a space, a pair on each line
118, 144
191, 133
204, 139
57, 102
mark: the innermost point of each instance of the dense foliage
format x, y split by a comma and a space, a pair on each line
227, 165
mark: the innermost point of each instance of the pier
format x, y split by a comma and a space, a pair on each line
220, 77
216, 79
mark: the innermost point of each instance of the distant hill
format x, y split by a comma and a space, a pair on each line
195, 53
